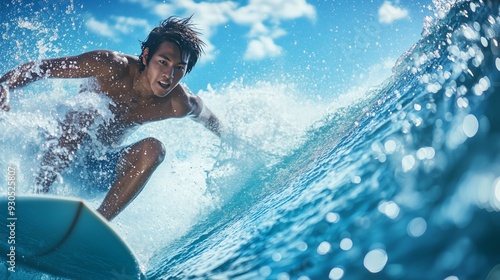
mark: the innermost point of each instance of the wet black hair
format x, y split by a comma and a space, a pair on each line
179, 31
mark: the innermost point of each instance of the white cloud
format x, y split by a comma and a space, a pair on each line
273, 10
121, 25
290, 9
262, 17
388, 13
101, 28
207, 18
257, 29
261, 48
128, 25
163, 10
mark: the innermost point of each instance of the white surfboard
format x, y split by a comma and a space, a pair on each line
62, 237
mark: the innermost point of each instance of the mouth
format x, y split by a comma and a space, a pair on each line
164, 85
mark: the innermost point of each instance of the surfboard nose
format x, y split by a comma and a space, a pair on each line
36, 226
64, 237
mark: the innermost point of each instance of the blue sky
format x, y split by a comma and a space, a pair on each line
325, 46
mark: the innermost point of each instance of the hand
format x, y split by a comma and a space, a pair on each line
4, 99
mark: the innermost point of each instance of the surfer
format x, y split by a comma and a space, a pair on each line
140, 89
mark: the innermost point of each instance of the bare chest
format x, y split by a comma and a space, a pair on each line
131, 108
128, 116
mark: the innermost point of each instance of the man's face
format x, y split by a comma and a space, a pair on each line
166, 68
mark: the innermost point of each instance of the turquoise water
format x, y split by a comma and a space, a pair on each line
398, 182
401, 185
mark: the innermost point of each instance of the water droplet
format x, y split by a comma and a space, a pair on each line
265, 271
336, 273
462, 102
434, 87
375, 260
392, 210
417, 227
484, 42
356, 180
346, 244
477, 26
283, 276
302, 246
389, 208
408, 163
482, 86
424, 79
324, 247
332, 217
472, 7
470, 33
470, 125
426, 153
276, 257
382, 158
390, 146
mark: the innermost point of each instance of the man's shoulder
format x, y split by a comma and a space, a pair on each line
182, 100
185, 94
113, 57
117, 63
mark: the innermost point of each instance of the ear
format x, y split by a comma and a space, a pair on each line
145, 53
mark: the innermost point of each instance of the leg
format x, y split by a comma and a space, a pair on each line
136, 166
61, 153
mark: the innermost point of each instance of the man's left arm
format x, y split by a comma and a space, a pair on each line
202, 114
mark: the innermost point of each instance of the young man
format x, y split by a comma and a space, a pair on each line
141, 89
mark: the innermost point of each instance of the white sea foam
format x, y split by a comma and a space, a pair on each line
263, 122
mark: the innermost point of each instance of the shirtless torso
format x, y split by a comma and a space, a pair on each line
137, 97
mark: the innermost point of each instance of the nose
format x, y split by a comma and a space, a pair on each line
169, 73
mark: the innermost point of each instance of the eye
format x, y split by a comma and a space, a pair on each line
162, 62
181, 67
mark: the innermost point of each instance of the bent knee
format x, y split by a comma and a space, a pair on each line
154, 149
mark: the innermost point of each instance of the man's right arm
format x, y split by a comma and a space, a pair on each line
17, 77
102, 64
